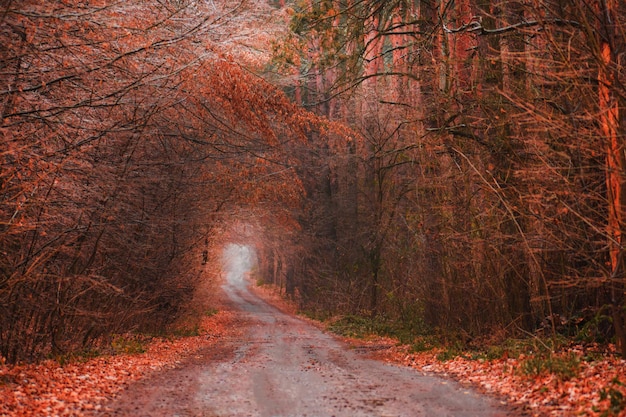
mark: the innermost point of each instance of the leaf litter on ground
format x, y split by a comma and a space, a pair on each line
50, 388
592, 387
597, 386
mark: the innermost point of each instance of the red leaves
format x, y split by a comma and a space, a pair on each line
546, 394
51, 389
104, 156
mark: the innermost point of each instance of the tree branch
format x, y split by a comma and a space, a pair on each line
477, 27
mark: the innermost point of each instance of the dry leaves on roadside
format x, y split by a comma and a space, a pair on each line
50, 389
596, 390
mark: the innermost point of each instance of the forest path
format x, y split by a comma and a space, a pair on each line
284, 366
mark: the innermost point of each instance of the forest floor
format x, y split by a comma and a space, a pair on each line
592, 387
82, 386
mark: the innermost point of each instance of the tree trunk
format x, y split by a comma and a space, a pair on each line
615, 167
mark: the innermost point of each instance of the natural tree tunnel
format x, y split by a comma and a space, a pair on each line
450, 166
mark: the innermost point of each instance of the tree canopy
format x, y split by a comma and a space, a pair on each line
451, 166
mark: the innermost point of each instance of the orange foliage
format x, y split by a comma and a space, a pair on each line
79, 387
124, 137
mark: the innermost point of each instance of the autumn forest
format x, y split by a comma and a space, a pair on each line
454, 168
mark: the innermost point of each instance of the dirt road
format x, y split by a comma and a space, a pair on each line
283, 366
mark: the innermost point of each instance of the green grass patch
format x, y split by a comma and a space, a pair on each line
129, 344
451, 351
424, 343
188, 331
77, 357
514, 348
564, 366
614, 392
356, 326
361, 327
317, 315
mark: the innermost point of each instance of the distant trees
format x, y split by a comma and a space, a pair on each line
490, 160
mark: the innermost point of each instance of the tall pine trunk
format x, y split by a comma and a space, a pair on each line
615, 163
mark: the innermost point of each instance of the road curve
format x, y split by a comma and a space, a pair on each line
283, 366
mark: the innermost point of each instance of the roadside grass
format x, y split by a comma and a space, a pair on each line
412, 333
117, 344
80, 356
535, 356
564, 366
613, 394
130, 343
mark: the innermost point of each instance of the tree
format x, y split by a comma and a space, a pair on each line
506, 106
126, 139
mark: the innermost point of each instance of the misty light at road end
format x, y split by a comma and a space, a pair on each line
237, 262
